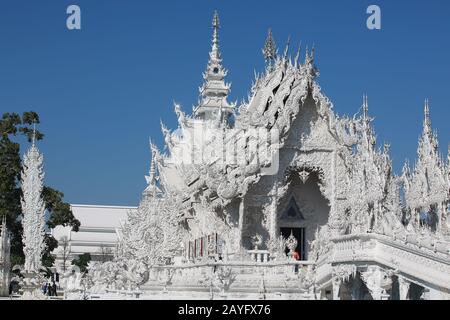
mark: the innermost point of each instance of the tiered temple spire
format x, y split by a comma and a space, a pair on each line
213, 103
33, 208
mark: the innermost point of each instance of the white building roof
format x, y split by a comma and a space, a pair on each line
100, 216
98, 229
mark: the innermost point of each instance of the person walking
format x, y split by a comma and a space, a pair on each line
54, 289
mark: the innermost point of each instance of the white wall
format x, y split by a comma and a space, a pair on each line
98, 230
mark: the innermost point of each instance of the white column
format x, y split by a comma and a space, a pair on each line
443, 218
403, 287
273, 213
334, 207
417, 217
273, 210
336, 286
241, 223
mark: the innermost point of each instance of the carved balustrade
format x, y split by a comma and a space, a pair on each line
200, 274
415, 256
259, 255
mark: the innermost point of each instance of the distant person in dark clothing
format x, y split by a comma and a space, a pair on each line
44, 288
57, 278
54, 289
13, 287
49, 289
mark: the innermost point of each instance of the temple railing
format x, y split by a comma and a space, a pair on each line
259, 255
424, 261
243, 274
281, 264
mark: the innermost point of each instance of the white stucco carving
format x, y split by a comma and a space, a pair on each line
377, 281
33, 209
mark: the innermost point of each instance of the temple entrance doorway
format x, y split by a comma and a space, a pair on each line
299, 234
303, 209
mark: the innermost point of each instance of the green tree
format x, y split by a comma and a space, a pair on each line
13, 125
82, 261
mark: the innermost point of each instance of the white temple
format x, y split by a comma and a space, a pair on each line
280, 198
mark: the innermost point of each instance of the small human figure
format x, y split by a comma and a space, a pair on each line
296, 257
44, 289
54, 289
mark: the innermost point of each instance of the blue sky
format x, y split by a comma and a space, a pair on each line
101, 91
